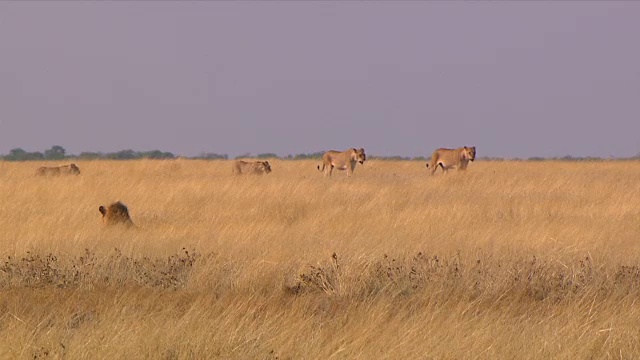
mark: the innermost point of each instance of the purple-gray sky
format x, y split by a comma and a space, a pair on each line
516, 79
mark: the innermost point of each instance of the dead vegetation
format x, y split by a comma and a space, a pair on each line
34, 270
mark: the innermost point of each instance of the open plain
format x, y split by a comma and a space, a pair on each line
527, 260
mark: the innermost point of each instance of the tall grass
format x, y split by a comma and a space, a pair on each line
507, 260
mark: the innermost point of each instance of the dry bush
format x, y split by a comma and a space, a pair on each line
508, 260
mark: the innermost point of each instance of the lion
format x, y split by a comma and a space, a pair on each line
345, 160
251, 167
452, 158
116, 213
71, 169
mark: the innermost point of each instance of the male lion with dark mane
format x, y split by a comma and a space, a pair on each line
116, 213
452, 158
345, 160
70, 169
251, 167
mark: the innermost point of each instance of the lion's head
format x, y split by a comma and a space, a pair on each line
470, 152
74, 169
116, 213
264, 166
359, 155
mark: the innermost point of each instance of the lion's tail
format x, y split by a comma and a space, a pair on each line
322, 167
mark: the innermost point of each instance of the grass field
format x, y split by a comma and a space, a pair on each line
526, 260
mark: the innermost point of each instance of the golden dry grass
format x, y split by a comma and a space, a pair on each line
508, 260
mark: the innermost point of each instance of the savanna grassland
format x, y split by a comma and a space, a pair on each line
526, 260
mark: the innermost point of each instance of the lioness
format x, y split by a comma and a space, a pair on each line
251, 167
345, 160
70, 169
116, 213
452, 158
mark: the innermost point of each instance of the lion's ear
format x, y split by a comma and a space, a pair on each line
102, 210
361, 149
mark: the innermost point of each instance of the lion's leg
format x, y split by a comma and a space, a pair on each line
329, 170
463, 165
433, 164
434, 167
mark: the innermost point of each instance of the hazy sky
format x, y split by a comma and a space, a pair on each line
516, 79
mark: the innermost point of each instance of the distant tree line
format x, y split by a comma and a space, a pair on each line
572, 158
57, 152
